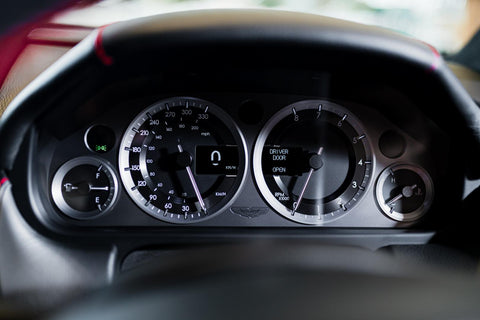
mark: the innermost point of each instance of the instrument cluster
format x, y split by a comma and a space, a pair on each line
186, 160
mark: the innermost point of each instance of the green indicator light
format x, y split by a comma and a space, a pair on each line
100, 139
102, 147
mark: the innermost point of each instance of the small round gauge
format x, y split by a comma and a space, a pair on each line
312, 161
182, 160
404, 192
84, 188
99, 138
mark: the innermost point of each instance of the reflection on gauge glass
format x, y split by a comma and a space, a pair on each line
182, 159
312, 161
84, 188
404, 192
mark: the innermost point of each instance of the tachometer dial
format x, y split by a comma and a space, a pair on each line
312, 161
182, 159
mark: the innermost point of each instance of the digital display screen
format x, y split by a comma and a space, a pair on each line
216, 160
279, 161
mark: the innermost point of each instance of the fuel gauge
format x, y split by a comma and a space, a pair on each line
84, 188
404, 192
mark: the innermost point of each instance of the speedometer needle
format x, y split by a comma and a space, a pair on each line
300, 197
194, 183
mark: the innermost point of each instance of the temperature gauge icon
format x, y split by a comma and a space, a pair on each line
84, 188
404, 192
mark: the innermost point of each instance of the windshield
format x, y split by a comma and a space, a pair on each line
446, 24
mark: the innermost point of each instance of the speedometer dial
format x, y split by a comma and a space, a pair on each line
182, 159
312, 161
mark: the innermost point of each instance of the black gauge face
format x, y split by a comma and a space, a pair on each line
84, 188
404, 192
182, 160
312, 161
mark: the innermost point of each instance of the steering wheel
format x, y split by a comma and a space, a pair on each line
244, 38
272, 280
279, 280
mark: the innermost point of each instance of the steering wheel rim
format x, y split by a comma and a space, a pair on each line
232, 35
282, 280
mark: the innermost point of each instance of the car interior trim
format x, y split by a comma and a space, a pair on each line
104, 57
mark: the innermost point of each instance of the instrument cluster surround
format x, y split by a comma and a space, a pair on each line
189, 160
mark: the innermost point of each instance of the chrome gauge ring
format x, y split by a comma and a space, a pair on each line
404, 192
312, 161
84, 188
182, 160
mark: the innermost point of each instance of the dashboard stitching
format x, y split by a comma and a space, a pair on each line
104, 57
3, 181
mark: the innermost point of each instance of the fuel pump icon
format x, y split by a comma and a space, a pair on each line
215, 157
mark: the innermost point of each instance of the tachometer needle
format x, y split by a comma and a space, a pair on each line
194, 184
300, 197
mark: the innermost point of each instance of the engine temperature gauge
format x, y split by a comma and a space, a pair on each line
404, 192
84, 188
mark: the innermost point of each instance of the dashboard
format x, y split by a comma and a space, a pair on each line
166, 133
236, 160
226, 139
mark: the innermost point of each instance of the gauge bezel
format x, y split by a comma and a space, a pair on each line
87, 132
260, 143
399, 216
56, 187
124, 162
